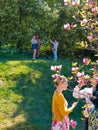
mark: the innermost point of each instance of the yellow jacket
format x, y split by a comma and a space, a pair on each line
59, 107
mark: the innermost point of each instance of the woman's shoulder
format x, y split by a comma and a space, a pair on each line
58, 96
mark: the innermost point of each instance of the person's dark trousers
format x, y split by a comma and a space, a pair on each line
86, 124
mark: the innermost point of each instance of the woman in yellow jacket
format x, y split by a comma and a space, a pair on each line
60, 108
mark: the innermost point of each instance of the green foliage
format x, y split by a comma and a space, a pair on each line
20, 19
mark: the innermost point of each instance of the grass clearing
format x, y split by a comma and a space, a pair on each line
26, 90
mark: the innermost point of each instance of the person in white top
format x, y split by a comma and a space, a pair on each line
54, 48
86, 93
34, 46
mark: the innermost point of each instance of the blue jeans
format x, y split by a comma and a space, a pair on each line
55, 54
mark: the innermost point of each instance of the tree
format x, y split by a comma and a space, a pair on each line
20, 19
87, 16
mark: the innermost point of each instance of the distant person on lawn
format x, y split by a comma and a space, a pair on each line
34, 46
54, 49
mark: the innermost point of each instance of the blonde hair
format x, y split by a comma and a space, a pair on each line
60, 79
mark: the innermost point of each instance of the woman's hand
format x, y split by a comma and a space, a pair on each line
82, 83
74, 104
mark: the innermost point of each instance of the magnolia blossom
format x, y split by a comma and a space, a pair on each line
95, 10
67, 26
59, 67
96, 61
90, 38
86, 61
73, 124
89, 4
94, 67
55, 76
66, 2
53, 68
84, 22
56, 68
80, 75
75, 69
76, 2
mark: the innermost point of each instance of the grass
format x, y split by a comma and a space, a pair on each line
26, 90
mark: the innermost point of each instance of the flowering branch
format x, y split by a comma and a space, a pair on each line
87, 16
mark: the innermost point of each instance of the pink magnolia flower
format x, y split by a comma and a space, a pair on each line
73, 124
56, 68
84, 22
90, 38
95, 10
75, 69
96, 61
67, 26
53, 68
59, 67
66, 2
89, 4
95, 67
75, 3
80, 75
55, 76
86, 61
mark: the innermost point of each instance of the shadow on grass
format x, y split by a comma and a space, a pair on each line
36, 93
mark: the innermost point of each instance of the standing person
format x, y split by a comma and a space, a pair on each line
60, 108
38, 41
85, 93
34, 46
54, 48
93, 118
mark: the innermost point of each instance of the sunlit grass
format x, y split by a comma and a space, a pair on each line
26, 90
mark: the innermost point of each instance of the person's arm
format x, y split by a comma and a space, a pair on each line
84, 93
60, 101
51, 41
57, 44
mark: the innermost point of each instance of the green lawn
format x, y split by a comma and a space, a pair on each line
26, 90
